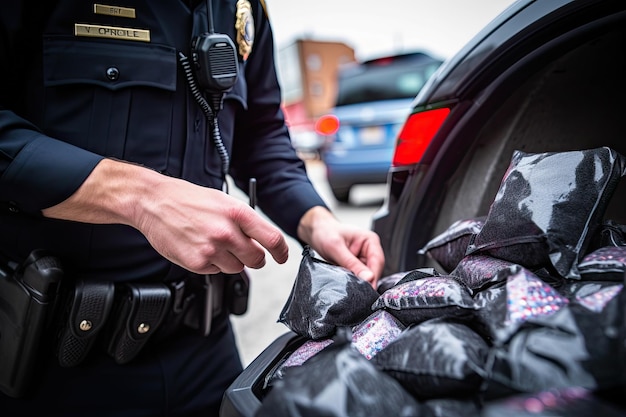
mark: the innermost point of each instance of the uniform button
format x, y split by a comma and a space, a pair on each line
113, 73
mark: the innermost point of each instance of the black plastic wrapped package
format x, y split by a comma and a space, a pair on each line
576, 346
592, 295
606, 263
389, 281
413, 301
339, 382
306, 351
516, 296
548, 208
458, 406
599, 316
477, 270
298, 357
449, 247
437, 358
325, 296
544, 353
564, 402
610, 233
375, 333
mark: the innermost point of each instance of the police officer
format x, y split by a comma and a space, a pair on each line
111, 160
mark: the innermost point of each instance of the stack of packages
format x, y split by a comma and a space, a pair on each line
526, 316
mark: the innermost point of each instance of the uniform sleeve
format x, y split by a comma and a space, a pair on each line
36, 171
262, 147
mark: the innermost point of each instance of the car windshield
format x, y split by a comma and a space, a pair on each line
374, 82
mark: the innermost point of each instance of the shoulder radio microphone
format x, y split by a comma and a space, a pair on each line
214, 57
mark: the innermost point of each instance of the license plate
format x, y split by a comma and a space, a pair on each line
372, 135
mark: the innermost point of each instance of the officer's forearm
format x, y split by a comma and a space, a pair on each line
111, 194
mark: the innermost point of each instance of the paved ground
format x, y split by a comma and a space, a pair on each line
270, 287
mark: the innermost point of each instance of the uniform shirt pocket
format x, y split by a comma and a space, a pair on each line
110, 97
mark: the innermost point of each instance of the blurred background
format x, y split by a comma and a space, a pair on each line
375, 27
322, 46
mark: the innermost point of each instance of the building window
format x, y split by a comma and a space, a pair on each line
316, 89
313, 62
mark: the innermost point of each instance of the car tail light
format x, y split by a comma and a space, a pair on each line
416, 135
327, 125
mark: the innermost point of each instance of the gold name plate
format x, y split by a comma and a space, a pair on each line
114, 10
111, 32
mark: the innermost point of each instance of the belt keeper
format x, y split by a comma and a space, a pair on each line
179, 301
210, 306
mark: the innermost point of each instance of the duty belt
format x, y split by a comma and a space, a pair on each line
40, 308
128, 315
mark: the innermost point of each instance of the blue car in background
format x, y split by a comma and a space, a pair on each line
372, 103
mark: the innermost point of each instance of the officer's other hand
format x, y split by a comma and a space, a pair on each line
201, 229
356, 249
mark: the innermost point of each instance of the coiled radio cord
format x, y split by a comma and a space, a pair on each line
211, 116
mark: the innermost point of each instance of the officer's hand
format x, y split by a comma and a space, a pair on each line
208, 231
201, 229
353, 248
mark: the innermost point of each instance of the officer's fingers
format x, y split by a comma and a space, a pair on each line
248, 252
374, 257
205, 259
344, 257
227, 263
228, 255
211, 269
266, 234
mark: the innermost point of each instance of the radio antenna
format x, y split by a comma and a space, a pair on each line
209, 15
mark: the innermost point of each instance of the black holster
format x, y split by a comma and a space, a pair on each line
28, 300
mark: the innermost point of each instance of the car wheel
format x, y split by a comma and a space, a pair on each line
342, 194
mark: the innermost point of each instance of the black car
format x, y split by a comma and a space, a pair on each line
544, 76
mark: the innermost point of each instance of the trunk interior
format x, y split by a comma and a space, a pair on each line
575, 102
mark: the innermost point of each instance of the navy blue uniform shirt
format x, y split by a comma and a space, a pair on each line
67, 100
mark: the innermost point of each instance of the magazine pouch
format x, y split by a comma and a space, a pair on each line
90, 306
140, 309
